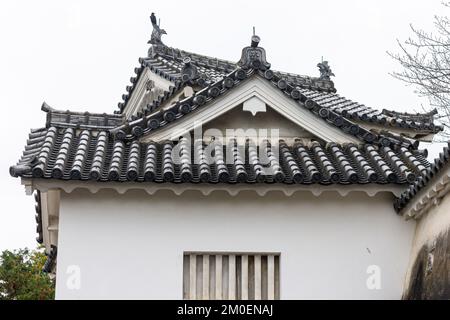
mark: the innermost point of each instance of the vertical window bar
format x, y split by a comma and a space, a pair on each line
205, 277
192, 276
219, 277
257, 277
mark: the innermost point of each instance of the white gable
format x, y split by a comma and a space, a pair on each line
251, 97
148, 84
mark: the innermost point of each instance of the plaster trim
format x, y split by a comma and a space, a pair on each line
206, 189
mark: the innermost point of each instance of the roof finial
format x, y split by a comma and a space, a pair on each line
157, 31
325, 70
189, 71
255, 41
254, 57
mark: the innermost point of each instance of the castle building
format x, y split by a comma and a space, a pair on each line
230, 180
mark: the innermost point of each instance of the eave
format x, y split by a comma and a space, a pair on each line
45, 185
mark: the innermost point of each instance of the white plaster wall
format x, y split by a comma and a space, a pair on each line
131, 246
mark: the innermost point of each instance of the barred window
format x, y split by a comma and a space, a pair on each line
231, 276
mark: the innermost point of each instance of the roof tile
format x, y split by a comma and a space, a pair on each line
67, 154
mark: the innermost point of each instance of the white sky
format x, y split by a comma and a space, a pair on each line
79, 55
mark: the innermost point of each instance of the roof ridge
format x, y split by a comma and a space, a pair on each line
429, 113
232, 64
387, 112
47, 109
235, 64
80, 120
181, 51
208, 62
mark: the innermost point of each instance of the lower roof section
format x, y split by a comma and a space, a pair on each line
71, 154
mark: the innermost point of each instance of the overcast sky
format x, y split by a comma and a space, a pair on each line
79, 55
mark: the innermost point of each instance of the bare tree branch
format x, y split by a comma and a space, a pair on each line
425, 62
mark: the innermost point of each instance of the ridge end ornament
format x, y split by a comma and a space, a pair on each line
157, 32
325, 70
156, 36
254, 57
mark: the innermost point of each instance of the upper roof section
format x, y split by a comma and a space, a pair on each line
170, 83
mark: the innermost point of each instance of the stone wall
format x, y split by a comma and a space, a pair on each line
430, 276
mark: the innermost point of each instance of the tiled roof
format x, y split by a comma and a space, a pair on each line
67, 153
106, 147
168, 63
423, 180
322, 104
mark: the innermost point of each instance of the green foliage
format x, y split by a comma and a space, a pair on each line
21, 276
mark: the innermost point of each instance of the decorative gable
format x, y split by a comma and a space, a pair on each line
149, 87
252, 95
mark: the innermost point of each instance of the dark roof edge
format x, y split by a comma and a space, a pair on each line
431, 175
